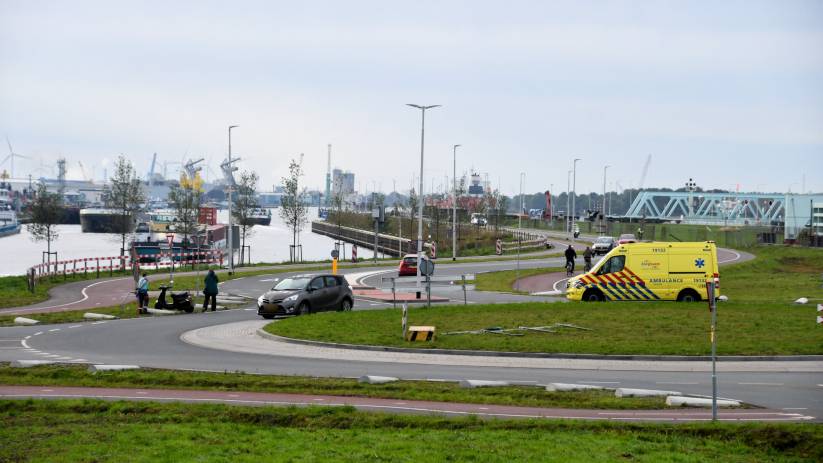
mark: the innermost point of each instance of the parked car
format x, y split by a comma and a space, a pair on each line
479, 219
408, 266
627, 238
306, 294
604, 244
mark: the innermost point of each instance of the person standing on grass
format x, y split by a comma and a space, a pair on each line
210, 291
143, 293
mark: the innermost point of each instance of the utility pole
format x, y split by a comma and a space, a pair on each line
420, 210
454, 207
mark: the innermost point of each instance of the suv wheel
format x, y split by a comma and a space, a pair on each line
346, 306
303, 309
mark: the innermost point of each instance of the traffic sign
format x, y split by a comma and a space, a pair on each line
426, 267
335, 254
170, 239
198, 240
820, 307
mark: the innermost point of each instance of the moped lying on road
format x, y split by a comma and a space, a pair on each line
180, 301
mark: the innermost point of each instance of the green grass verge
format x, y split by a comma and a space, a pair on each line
501, 282
95, 430
778, 274
660, 328
524, 396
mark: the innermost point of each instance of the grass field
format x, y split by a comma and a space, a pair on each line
94, 430
663, 328
778, 274
524, 396
502, 281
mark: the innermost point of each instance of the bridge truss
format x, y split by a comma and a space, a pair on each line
708, 207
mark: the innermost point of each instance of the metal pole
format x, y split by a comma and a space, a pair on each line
568, 199
713, 308
604, 188
454, 207
231, 176
420, 209
375, 240
518, 263
574, 193
197, 295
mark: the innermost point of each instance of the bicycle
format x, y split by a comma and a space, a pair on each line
588, 266
569, 271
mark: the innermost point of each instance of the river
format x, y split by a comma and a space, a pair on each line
268, 244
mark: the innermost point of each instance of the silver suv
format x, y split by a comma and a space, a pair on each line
306, 294
604, 244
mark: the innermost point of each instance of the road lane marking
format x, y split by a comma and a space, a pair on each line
76, 326
38, 333
56, 329
28, 337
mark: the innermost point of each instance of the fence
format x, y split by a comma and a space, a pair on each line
37, 272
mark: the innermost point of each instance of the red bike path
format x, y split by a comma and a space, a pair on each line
239, 398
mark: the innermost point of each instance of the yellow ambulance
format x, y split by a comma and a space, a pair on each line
649, 272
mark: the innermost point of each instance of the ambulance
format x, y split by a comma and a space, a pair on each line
650, 272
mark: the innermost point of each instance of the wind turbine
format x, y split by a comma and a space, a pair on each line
12, 156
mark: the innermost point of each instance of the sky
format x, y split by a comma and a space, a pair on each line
722, 92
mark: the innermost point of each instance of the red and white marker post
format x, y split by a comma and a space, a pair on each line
499, 247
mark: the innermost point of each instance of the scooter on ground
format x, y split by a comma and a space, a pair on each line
179, 301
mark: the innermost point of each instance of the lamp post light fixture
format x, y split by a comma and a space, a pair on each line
420, 211
231, 223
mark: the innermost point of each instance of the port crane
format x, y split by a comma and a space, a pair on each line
85, 176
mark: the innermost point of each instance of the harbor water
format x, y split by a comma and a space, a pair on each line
268, 244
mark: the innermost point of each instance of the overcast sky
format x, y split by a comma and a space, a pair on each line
722, 92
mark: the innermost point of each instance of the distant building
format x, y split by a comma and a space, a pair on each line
342, 181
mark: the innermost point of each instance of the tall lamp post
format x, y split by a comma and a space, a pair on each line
520, 212
420, 210
231, 176
454, 206
568, 198
574, 193
604, 190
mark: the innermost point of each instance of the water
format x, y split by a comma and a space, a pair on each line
268, 244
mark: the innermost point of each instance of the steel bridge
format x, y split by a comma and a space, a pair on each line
708, 207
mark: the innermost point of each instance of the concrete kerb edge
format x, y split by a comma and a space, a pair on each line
479, 353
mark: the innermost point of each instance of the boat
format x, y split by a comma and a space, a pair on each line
261, 216
95, 220
9, 225
151, 237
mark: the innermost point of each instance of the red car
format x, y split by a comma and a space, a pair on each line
627, 238
408, 266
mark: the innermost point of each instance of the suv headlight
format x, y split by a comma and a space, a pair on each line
290, 298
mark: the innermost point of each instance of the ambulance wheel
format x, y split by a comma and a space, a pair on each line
593, 295
688, 295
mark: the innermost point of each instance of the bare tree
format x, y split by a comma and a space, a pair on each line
186, 200
244, 206
498, 205
122, 200
45, 213
293, 209
412, 202
339, 199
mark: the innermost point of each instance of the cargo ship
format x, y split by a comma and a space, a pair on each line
151, 237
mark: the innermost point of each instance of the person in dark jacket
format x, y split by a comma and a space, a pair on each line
210, 291
570, 256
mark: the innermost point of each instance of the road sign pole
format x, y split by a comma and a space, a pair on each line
713, 308
170, 240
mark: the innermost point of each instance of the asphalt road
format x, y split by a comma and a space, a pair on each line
155, 342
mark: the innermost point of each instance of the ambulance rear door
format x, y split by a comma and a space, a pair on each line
691, 265
648, 267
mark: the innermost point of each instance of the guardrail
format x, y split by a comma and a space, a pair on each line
428, 279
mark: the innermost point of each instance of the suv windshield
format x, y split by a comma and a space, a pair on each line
291, 284
603, 239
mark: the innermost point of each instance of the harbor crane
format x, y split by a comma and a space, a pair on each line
85, 176
192, 168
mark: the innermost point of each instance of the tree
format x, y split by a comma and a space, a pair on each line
339, 199
412, 202
293, 209
186, 200
433, 205
45, 213
244, 205
498, 205
122, 200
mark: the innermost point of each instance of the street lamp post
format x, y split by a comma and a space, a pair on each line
454, 206
574, 193
568, 198
420, 209
604, 190
520, 213
550, 206
231, 223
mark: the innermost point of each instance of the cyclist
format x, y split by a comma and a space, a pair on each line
640, 234
570, 256
587, 258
